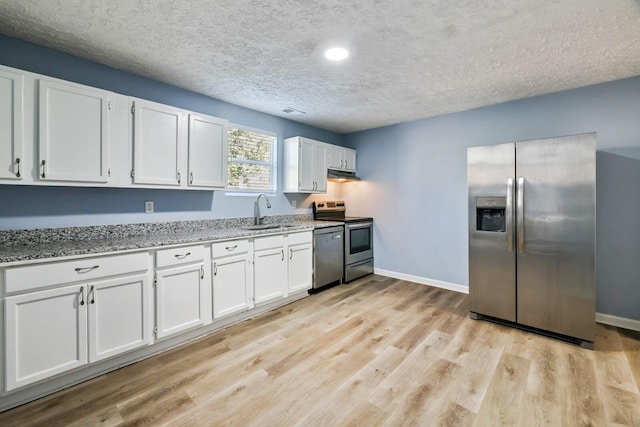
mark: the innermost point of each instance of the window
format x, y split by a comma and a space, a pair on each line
252, 160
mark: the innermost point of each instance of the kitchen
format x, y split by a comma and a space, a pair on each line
414, 176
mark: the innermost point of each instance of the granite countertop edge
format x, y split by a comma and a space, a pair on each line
36, 245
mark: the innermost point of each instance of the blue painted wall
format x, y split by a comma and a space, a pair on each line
36, 207
415, 183
414, 174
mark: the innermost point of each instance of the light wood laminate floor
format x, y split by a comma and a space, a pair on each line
377, 352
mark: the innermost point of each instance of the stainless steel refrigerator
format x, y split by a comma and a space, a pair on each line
532, 235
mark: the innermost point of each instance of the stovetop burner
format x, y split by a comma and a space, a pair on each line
334, 211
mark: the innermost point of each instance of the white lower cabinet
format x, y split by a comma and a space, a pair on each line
119, 316
232, 277
64, 315
52, 331
300, 264
46, 334
270, 269
181, 295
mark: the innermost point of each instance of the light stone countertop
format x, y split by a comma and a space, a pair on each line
18, 246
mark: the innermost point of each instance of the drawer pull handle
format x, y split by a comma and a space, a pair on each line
215, 269
190, 178
43, 175
18, 166
202, 272
81, 270
231, 248
81, 295
182, 256
282, 255
93, 295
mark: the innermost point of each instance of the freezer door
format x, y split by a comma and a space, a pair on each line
492, 275
555, 215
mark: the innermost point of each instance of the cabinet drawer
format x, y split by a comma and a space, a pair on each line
31, 277
268, 242
234, 247
300, 238
176, 256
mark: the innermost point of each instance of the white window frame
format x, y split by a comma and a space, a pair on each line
273, 164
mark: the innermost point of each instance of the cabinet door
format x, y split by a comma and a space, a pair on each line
320, 168
11, 125
232, 284
158, 144
120, 316
207, 152
180, 299
335, 160
300, 267
349, 157
46, 334
73, 140
306, 169
270, 275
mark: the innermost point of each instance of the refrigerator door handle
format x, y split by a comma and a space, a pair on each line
509, 215
520, 215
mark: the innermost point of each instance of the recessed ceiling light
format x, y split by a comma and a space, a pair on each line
336, 53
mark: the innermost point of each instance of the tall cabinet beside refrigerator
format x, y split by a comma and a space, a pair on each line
532, 235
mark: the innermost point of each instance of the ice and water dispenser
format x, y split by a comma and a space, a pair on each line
490, 214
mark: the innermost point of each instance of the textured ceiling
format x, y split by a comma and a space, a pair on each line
409, 59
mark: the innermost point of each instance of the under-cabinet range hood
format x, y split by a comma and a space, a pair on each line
341, 176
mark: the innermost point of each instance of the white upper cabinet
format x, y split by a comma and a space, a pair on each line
55, 132
349, 159
305, 165
73, 132
342, 158
11, 125
207, 151
158, 142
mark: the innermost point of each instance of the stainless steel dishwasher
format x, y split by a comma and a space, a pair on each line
329, 256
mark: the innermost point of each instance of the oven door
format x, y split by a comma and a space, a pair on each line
358, 242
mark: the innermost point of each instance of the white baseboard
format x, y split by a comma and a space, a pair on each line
606, 319
620, 322
423, 280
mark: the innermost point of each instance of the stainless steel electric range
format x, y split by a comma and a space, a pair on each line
358, 237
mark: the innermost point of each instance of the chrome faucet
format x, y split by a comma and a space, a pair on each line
256, 208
